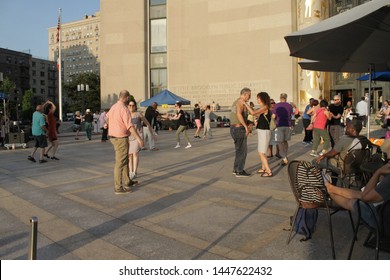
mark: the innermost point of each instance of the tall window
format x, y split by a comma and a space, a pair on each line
158, 35
158, 46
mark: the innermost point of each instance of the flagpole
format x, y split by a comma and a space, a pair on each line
59, 65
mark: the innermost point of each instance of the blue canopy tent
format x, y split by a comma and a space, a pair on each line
165, 97
376, 76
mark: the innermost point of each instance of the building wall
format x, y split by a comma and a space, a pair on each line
123, 49
214, 48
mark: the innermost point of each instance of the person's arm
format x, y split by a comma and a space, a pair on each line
255, 112
330, 154
369, 194
328, 115
176, 117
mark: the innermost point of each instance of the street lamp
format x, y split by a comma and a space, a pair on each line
82, 88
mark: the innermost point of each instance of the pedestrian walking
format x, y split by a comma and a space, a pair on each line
88, 120
207, 123
180, 117
52, 136
38, 130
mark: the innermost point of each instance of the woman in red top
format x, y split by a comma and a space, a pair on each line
320, 119
52, 129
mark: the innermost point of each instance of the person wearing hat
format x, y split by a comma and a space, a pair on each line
88, 119
376, 190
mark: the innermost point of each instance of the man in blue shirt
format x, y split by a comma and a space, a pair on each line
39, 132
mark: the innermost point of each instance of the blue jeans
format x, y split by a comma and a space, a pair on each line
240, 143
88, 130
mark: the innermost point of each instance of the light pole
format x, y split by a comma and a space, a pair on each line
82, 88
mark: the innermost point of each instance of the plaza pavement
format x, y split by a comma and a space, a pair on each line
188, 205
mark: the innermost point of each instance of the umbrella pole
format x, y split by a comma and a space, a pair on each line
369, 102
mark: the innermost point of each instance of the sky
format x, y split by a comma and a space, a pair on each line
24, 24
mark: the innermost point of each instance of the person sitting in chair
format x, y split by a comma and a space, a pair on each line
377, 189
350, 141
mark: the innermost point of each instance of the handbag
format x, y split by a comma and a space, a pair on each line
271, 123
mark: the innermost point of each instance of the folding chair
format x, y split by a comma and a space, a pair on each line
378, 224
325, 202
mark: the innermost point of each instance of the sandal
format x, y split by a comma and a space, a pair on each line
261, 171
266, 174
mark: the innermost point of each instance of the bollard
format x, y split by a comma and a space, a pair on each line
32, 250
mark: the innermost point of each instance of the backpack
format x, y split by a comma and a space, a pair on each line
305, 222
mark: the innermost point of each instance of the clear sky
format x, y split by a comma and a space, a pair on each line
24, 23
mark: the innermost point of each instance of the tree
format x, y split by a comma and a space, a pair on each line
8, 86
27, 107
91, 98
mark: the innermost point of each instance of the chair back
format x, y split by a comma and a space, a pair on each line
292, 178
307, 184
353, 160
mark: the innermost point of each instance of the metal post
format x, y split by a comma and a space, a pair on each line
32, 248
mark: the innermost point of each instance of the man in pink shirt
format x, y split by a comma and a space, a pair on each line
120, 128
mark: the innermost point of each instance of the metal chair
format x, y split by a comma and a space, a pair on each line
378, 224
324, 202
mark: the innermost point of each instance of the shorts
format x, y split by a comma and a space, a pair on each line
76, 127
198, 124
366, 214
282, 134
40, 141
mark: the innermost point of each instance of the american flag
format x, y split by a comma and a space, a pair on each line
59, 29
58, 39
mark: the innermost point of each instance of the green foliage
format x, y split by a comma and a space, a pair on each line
91, 97
7, 85
27, 107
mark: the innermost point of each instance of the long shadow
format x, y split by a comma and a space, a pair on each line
223, 236
76, 241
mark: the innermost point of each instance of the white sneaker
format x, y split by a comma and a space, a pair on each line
177, 146
131, 175
188, 146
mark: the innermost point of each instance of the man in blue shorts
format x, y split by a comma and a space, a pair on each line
39, 132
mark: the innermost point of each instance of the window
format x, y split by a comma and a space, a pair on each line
157, 2
158, 79
158, 36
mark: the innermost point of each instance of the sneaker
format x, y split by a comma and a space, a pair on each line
278, 156
314, 154
321, 153
54, 158
123, 191
188, 146
42, 161
154, 149
242, 174
177, 146
131, 175
234, 172
46, 155
30, 158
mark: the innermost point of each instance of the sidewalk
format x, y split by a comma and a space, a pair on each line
188, 205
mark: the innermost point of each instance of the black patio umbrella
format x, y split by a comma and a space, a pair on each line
359, 35
357, 40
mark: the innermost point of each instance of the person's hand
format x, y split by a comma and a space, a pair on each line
246, 130
319, 158
140, 142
